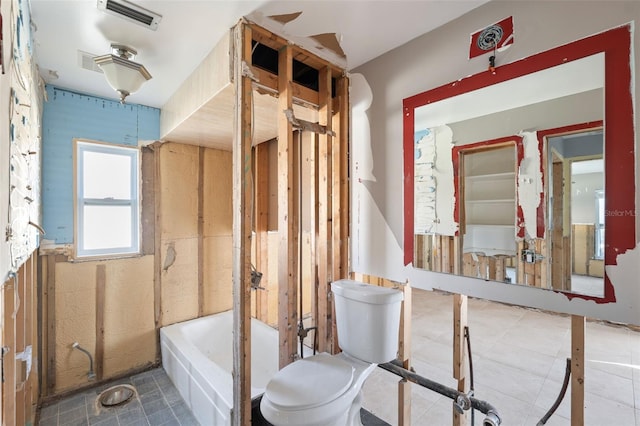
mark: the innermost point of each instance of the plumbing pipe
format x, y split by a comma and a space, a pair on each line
563, 390
91, 375
461, 400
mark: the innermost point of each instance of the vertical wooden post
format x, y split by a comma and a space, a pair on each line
324, 231
200, 231
242, 229
404, 354
9, 358
577, 370
101, 281
262, 226
287, 253
157, 258
341, 151
51, 323
459, 353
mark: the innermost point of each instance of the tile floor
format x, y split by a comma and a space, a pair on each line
519, 358
158, 403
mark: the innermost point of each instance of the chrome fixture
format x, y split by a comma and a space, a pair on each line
91, 374
123, 75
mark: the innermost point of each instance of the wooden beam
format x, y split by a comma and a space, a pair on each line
300, 94
242, 229
287, 270
9, 358
404, 354
157, 258
261, 171
101, 280
577, 370
201, 231
51, 323
459, 353
323, 200
343, 134
276, 42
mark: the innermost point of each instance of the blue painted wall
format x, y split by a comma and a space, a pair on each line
68, 115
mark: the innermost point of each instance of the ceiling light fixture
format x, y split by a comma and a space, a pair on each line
123, 75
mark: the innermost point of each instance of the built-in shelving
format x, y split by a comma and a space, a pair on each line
490, 201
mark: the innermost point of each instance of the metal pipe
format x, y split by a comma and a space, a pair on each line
563, 390
91, 374
462, 400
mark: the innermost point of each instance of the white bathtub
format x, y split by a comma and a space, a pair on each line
197, 355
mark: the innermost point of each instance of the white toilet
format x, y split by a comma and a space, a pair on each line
325, 389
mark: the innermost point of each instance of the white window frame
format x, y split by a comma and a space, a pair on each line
82, 146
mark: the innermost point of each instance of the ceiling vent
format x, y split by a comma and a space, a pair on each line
85, 60
131, 12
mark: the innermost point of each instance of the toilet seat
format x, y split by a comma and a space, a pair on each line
309, 383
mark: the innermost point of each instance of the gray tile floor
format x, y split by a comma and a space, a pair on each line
158, 403
519, 358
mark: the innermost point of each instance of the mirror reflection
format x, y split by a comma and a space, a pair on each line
499, 196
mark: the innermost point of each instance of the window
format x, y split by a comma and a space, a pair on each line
107, 202
599, 231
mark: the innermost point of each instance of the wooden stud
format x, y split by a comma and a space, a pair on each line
200, 231
343, 134
157, 258
459, 354
287, 253
51, 323
101, 280
313, 230
262, 227
404, 354
577, 369
9, 358
324, 154
241, 273
148, 200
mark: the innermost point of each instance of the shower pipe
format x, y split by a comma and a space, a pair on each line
91, 374
461, 400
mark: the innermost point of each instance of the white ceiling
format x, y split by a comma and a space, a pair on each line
190, 29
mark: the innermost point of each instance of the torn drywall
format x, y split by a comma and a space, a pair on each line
530, 184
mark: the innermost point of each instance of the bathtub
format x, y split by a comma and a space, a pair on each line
198, 357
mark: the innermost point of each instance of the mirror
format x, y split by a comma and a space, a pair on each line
505, 171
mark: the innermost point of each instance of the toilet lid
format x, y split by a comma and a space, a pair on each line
309, 382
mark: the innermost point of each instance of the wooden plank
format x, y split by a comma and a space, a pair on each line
148, 200
262, 227
404, 354
20, 339
577, 370
343, 134
287, 270
460, 303
9, 359
101, 281
51, 323
31, 391
313, 230
241, 273
200, 259
276, 42
300, 94
157, 258
324, 154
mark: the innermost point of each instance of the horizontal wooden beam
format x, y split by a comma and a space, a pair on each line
276, 42
302, 95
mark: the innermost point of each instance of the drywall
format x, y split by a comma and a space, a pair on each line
440, 57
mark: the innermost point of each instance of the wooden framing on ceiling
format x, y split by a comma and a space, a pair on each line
329, 191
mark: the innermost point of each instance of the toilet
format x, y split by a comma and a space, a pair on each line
326, 389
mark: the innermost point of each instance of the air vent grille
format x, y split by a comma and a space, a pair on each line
131, 12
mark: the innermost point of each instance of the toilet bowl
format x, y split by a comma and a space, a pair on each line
326, 389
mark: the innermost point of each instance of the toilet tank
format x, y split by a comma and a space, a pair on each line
368, 320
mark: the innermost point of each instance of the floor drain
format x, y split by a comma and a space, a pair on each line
116, 395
